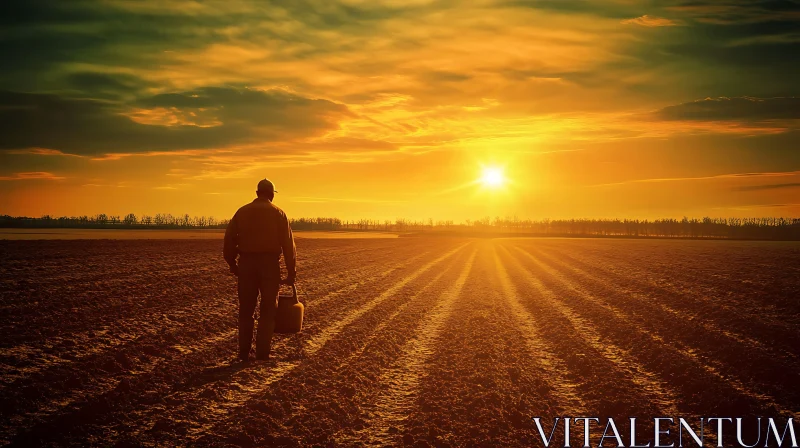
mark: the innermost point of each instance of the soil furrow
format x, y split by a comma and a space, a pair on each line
713, 346
401, 381
14, 355
414, 341
160, 367
479, 386
772, 324
313, 345
563, 383
213, 400
700, 268
85, 376
334, 391
51, 297
667, 360
659, 393
32, 358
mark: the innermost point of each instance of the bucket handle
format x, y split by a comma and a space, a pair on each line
294, 293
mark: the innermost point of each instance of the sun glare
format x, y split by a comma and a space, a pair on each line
492, 177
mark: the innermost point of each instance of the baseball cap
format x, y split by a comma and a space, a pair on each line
266, 186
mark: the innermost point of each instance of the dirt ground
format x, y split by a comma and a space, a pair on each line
407, 341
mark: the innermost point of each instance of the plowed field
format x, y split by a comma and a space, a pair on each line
416, 341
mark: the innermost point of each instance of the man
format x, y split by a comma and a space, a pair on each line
258, 233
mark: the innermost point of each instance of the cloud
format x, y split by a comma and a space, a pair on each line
40, 152
650, 21
442, 76
600, 8
33, 175
720, 176
742, 108
769, 186
276, 110
106, 85
212, 117
737, 11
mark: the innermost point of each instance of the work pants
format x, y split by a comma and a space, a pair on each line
257, 273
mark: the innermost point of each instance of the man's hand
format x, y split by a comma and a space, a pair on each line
235, 269
289, 280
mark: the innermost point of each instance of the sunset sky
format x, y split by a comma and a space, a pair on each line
394, 109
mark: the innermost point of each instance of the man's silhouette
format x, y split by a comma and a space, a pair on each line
258, 233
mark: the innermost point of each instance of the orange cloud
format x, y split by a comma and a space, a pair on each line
41, 152
33, 175
721, 176
650, 21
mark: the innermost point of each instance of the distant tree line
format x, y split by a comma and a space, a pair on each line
720, 228
103, 221
710, 228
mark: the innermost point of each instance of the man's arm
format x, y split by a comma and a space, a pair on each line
230, 246
289, 250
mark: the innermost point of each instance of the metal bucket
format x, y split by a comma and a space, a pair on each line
289, 316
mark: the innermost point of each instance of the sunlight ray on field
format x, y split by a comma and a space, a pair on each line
276, 372
337, 370
648, 379
677, 284
570, 402
389, 320
695, 356
153, 325
660, 394
402, 379
370, 275
539, 326
36, 359
252, 382
312, 346
734, 337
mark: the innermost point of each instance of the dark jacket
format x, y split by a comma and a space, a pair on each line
260, 227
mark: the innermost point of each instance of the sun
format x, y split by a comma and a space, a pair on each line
492, 177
